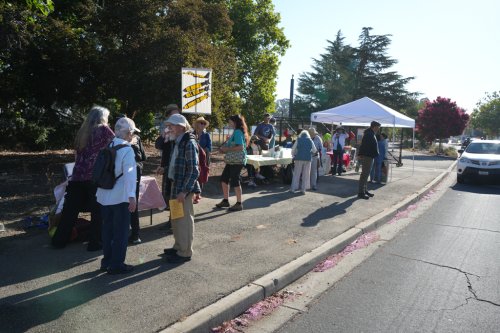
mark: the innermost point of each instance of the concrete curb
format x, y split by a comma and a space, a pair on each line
240, 300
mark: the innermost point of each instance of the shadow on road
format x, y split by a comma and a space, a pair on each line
21, 312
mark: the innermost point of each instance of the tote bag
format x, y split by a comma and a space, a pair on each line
234, 157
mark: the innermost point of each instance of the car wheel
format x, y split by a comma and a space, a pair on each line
460, 179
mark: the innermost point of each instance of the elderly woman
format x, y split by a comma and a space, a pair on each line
200, 129
302, 152
93, 135
316, 158
117, 203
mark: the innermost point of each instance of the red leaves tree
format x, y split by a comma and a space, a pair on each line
441, 119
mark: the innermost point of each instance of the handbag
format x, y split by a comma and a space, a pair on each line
234, 157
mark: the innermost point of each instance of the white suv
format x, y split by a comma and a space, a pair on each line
481, 159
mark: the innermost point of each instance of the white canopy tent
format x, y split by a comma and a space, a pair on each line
361, 113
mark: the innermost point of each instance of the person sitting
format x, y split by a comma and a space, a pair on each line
253, 173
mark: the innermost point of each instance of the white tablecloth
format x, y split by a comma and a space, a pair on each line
257, 160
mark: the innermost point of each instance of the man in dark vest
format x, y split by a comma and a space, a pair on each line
367, 152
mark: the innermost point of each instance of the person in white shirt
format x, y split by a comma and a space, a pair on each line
338, 144
118, 202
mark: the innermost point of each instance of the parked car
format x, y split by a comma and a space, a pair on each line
480, 160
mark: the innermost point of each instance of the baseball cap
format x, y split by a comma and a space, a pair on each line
126, 123
177, 119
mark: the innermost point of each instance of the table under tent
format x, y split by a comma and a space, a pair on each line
361, 112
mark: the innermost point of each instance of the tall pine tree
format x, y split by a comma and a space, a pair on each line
345, 73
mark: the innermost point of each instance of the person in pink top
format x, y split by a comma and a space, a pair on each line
93, 135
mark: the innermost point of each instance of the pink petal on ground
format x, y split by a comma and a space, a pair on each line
361, 242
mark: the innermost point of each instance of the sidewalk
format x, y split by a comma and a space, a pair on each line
42, 289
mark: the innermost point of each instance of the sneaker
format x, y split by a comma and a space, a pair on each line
369, 194
252, 184
122, 270
222, 204
236, 207
259, 176
176, 259
363, 196
170, 251
134, 240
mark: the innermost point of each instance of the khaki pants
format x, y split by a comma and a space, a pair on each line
366, 166
183, 229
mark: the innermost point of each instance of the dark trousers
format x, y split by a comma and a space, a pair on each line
115, 227
80, 197
134, 217
166, 185
366, 166
337, 161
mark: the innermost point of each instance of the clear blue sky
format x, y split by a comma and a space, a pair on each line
451, 47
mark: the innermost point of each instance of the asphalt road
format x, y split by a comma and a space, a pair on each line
441, 274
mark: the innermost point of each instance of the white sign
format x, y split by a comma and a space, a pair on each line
196, 90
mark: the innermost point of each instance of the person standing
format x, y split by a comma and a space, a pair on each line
200, 129
165, 144
140, 156
378, 162
338, 144
183, 172
368, 150
272, 142
235, 158
316, 157
118, 203
93, 135
302, 152
265, 132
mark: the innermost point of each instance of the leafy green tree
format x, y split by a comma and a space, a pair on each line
282, 108
55, 64
258, 43
345, 73
486, 116
441, 119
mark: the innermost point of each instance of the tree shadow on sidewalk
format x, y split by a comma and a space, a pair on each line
21, 312
328, 212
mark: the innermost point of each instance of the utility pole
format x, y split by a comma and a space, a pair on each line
290, 105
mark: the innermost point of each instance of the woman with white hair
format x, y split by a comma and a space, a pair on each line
302, 152
117, 203
93, 135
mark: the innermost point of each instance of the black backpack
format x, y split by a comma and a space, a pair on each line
103, 173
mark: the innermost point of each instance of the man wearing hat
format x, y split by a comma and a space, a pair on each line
165, 145
368, 150
183, 174
265, 132
338, 144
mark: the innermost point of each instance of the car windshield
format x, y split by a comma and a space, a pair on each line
483, 148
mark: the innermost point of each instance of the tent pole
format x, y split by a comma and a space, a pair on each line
413, 146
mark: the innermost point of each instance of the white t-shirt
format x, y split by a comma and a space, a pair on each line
339, 139
125, 185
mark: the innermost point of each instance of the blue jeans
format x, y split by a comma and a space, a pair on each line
376, 171
115, 228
